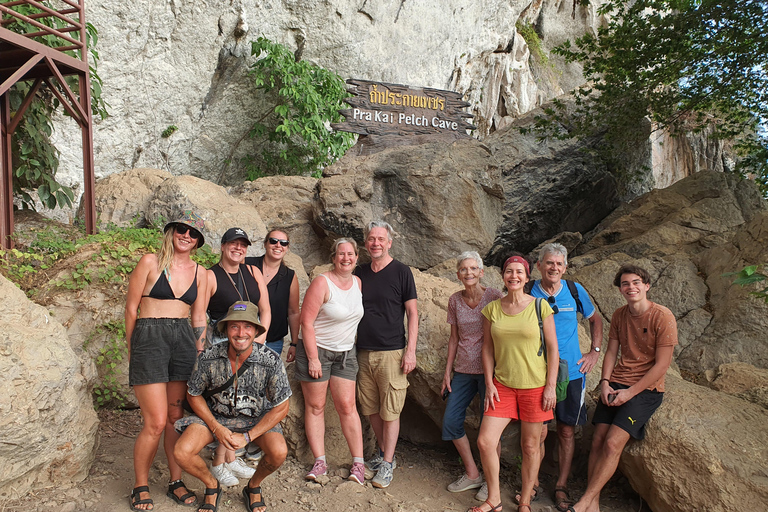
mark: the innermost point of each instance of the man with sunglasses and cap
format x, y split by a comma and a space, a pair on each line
567, 299
239, 392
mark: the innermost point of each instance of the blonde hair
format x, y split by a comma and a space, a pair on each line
340, 241
166, 252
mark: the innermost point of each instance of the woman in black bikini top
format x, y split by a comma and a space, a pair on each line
163, 290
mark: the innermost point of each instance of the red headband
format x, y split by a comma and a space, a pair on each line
516, 259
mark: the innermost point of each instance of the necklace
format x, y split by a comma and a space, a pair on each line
240, 280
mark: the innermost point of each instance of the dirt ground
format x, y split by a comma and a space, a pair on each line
419, 484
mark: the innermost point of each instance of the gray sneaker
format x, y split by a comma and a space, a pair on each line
482, 494
374, 462
383, 476
464, 483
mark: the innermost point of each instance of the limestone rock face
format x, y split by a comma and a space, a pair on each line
704, 450
441, 200
47, 421
743, 381
185, 65
688, 236
548, 188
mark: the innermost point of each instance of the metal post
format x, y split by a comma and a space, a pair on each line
6, 163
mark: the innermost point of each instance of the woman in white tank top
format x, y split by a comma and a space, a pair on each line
332, 308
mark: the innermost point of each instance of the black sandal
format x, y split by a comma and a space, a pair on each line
210, 492
134, 501
181, 500
247, 491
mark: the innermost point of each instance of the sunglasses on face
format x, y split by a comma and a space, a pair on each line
551, 300
273, 241
181, 229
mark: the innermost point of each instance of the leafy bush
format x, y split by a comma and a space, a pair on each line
295, 135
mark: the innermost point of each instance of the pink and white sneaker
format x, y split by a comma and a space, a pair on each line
319, 469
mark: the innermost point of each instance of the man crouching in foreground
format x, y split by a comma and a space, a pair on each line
632, 390
239, 392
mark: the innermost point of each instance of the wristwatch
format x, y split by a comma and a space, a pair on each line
596, 349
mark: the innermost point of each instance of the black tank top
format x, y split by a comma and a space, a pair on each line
246, 288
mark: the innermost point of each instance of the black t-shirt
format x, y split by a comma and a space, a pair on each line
384, 296
279, 290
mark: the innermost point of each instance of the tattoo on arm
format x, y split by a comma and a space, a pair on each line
198, 331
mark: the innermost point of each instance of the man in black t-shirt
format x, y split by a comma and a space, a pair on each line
384, 354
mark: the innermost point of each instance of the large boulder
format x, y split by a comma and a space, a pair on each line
550, 186
440, 199
122, 198
689, 236
212, 202
285, 202
741, 380
704, 450
47, 421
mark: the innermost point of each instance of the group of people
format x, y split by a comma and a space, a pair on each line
214, 337
513, 349
226, 362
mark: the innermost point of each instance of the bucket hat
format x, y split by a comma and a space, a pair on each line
191, 220
244, 311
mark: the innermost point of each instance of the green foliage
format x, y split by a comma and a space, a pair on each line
685, 65
750, 275
18, 265
35, 158
107, 391
169, 131
295, 134
533, 41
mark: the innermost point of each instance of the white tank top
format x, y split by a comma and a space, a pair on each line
336, 322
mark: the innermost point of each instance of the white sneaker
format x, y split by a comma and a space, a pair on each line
482, 494
464, 483
224, 475
240, 469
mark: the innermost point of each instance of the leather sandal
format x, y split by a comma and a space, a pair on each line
135, 498
181, 500
211, 492
247, 491
497, 508
536, 491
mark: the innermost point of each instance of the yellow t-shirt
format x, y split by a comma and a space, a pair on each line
516, 342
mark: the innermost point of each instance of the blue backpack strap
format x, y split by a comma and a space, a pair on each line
575, 294
542, 349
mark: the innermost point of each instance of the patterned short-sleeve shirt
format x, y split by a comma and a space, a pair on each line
260, 388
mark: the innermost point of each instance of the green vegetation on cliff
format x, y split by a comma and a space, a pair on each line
686, 65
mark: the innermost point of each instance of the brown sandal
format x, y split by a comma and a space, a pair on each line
497, 508
536, 491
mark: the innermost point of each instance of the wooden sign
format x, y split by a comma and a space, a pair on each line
394, 114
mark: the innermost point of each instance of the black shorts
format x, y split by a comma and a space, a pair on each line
572, 411
631, 416
162, 350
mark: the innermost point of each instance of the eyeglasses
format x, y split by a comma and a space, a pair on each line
470, 269
273, 241
182, 229
551, 300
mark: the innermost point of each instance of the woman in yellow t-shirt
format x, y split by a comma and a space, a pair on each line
519, 383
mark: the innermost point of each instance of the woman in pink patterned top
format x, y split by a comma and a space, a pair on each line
465, 348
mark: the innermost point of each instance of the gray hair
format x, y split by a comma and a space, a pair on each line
340, 241
469, 255
380, 224
554, 249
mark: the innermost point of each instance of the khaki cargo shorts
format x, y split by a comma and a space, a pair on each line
381, 383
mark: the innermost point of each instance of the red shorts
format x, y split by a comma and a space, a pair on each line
519, 404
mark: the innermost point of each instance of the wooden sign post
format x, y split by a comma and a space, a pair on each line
387, 115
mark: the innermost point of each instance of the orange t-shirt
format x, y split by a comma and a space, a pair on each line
638, 337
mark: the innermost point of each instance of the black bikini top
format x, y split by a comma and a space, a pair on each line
162, 290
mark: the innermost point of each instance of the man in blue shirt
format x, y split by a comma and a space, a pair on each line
567, 299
